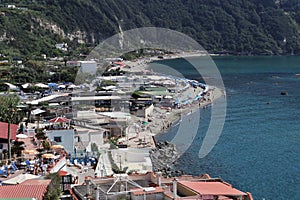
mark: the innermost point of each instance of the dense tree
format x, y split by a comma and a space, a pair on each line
9, 114
234, 26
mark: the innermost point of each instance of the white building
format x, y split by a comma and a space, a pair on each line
63, 137
88, 66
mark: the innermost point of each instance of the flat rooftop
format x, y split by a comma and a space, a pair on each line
93, 98
212, 188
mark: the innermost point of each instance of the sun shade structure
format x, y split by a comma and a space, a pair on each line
48, 155
57, 146
41, 85
21, 136
29, 151
59, 120
11, 86
37, 111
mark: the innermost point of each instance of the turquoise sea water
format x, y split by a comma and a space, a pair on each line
259, 149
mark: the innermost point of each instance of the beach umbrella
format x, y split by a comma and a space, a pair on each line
21, 136
72, 86
52, 85
62, 86
53, 104
48, 155
26, 85
57, 146
30, 151
168, 97
41, 85
59, 120
11, 86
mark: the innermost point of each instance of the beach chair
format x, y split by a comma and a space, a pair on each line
9, 170
29, 167
3, 173
14, 167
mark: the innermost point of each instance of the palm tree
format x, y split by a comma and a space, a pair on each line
9, 114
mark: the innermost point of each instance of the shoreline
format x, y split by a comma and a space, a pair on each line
163, 119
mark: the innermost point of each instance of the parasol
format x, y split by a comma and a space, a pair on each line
48, 155
58, 120
21, 136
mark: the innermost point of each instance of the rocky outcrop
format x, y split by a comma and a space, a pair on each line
163, 159
54, 28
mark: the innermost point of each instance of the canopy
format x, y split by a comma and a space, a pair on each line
57, 146
11, 86
26, 85
41, 85
59, 120
73, 86
62, 86
21, 136
48, 155
168, 97
19, 179
37, 111
29, 151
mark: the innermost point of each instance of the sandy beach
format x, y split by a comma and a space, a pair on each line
164, 118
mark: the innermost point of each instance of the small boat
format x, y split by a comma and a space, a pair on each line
298, 75
284, 93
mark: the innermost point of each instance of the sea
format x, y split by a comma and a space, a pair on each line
258, 150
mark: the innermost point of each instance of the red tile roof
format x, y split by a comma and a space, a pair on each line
23, 191
212, 188
4, 128
34, 182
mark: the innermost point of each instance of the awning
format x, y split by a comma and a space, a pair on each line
41, 85
37, 111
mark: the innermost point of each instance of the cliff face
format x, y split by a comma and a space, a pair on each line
224, 26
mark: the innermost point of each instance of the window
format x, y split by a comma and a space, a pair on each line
57, 139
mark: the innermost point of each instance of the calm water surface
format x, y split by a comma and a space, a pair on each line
259, 149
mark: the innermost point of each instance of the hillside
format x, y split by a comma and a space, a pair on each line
32, 28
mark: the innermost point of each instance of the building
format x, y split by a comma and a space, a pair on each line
141, 107
30, 189
208, 190
99, 103
117, 122
64, 137
89, 66
3, 135
154, 186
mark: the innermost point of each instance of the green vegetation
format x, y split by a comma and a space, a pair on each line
36, 72
53, 190
94, 147
220, 26
9, 114
17, 148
